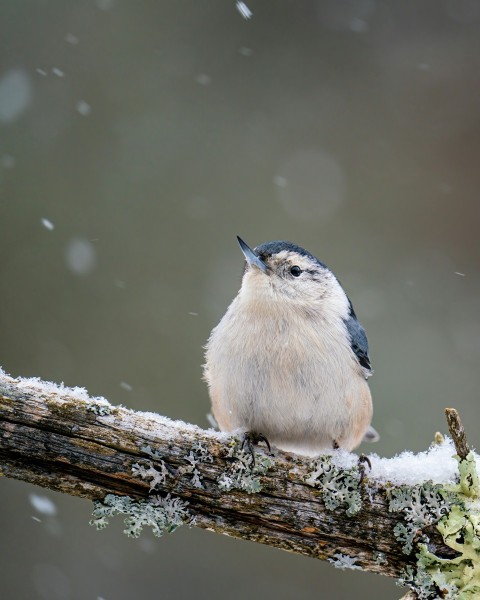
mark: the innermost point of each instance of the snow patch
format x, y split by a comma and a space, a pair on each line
437, 465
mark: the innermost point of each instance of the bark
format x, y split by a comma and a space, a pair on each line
457, 432
57, 438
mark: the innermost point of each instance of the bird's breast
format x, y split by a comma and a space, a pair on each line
286, 375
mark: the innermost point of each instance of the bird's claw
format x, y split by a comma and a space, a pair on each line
250, 440
362, 461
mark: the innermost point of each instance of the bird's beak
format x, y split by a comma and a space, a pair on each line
251, 257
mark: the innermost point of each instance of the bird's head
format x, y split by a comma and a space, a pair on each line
285, 274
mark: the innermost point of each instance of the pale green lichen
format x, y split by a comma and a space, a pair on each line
380, 558
458, 577
163, 515
461, 532
448, 578
340, 487
421, 506
158, 473
420, 581
151, 474
197, 455
155, 475
151, 452
100, 409
343, 561
242, 472
469, 484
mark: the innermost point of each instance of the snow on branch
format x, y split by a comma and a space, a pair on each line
414, 517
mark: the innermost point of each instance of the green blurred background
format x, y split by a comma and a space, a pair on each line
136, 140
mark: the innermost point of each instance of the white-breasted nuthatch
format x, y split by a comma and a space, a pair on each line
289, 360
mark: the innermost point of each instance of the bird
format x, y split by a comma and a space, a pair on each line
288, 362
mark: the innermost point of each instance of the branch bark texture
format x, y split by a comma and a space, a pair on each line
63, 440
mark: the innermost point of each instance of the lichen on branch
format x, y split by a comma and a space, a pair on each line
414, 517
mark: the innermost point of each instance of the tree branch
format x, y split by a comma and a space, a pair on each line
62, 439
457, 432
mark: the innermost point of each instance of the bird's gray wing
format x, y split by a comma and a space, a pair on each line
359, 342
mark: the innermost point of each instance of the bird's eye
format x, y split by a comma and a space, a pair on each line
295, 271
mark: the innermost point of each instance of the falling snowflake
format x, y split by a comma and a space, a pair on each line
244, 10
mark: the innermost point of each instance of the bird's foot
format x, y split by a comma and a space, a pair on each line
362, 461
252, 439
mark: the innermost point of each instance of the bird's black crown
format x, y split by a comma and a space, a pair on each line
267, 249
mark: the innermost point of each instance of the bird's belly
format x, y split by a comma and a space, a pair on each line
301, 398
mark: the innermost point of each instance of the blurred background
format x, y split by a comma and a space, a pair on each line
136, 140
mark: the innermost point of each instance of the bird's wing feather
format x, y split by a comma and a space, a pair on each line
359, 343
